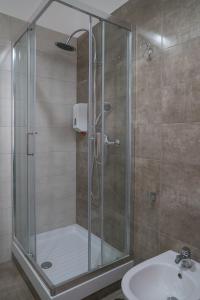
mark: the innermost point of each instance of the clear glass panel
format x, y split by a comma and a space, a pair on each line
61, 159
24, 217
76, 180
115, 145
95, 155
109, 144
20, 56
33, 133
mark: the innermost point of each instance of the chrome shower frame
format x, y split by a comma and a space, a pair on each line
126, 260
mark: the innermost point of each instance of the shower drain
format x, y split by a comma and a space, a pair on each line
48, 265
172, 298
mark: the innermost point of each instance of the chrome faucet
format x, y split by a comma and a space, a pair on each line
185, 258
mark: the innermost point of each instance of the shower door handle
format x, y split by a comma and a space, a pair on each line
29, 135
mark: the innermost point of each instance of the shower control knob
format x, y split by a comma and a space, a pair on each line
111, 142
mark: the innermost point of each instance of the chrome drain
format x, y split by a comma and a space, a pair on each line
172, 298
46, 265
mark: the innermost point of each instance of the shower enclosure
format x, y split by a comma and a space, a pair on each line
71, 189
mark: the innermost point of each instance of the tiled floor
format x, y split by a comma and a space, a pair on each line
117, 295
12, 285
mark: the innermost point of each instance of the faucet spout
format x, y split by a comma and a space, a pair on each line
178, 259
184, 257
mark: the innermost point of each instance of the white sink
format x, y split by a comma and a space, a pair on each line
159, 279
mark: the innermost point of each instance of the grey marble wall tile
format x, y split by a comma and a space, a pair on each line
168, 243
181, 143
192, 55
147, 180
115, 81
192, 99
174, 103
83, 70
114, 182
82, 91
180, 21
114, 237
167, 91
81, 143
148, 86
82, 188
175, 65
146, 241
81, 153
179, 205
148, 103
148, 141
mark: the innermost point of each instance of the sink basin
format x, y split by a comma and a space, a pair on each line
160, 278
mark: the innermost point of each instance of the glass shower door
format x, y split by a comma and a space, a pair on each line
23, 155
109, 144
116, 54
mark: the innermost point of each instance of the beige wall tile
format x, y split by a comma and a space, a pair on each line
5, 194
5, 221
5, 140
56, 91
56, 139
5, 248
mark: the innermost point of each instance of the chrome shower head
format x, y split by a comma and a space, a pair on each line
65, 46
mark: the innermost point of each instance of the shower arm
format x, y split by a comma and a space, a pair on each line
81, 30
95, 59
74, 33
95, 62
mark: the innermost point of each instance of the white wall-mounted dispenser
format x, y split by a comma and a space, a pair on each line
80, 117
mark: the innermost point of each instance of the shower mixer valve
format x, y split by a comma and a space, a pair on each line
111, 142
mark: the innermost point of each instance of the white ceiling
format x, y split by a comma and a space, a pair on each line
67, 21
